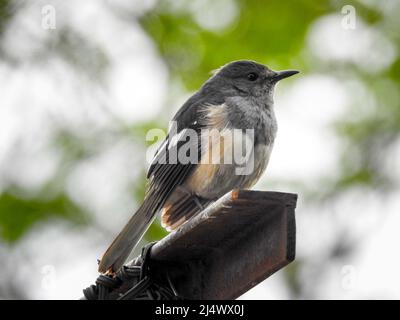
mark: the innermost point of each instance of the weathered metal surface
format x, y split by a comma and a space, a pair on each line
230, 247
226, 250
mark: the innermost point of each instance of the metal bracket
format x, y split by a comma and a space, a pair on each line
231, 246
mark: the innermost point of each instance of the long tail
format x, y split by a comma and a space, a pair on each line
119, 250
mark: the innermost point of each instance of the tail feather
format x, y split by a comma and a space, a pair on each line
119, 250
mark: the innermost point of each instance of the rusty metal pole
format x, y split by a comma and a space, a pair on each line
227, 249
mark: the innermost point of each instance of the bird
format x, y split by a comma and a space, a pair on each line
238, 97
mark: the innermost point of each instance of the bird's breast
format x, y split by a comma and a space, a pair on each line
235, 148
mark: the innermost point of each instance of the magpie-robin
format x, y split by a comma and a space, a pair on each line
239, 96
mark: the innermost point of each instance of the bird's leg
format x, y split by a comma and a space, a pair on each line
197, 201
191, 195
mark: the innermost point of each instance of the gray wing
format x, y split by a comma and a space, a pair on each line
163, 176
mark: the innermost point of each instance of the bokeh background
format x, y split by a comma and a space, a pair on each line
79, 93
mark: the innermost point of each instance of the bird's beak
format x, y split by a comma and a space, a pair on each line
284, 74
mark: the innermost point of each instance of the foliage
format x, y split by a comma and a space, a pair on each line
253, 35
18, 213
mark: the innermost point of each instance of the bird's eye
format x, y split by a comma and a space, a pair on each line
252, 76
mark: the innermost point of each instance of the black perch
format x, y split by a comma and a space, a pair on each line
227, 249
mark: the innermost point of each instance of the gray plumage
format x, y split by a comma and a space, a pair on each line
238, 96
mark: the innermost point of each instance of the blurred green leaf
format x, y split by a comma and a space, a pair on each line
6, 12
266, 31
155, 232
18, 214
72, 146
292, 277
139, 130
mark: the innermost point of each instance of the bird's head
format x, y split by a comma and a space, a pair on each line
246, 77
